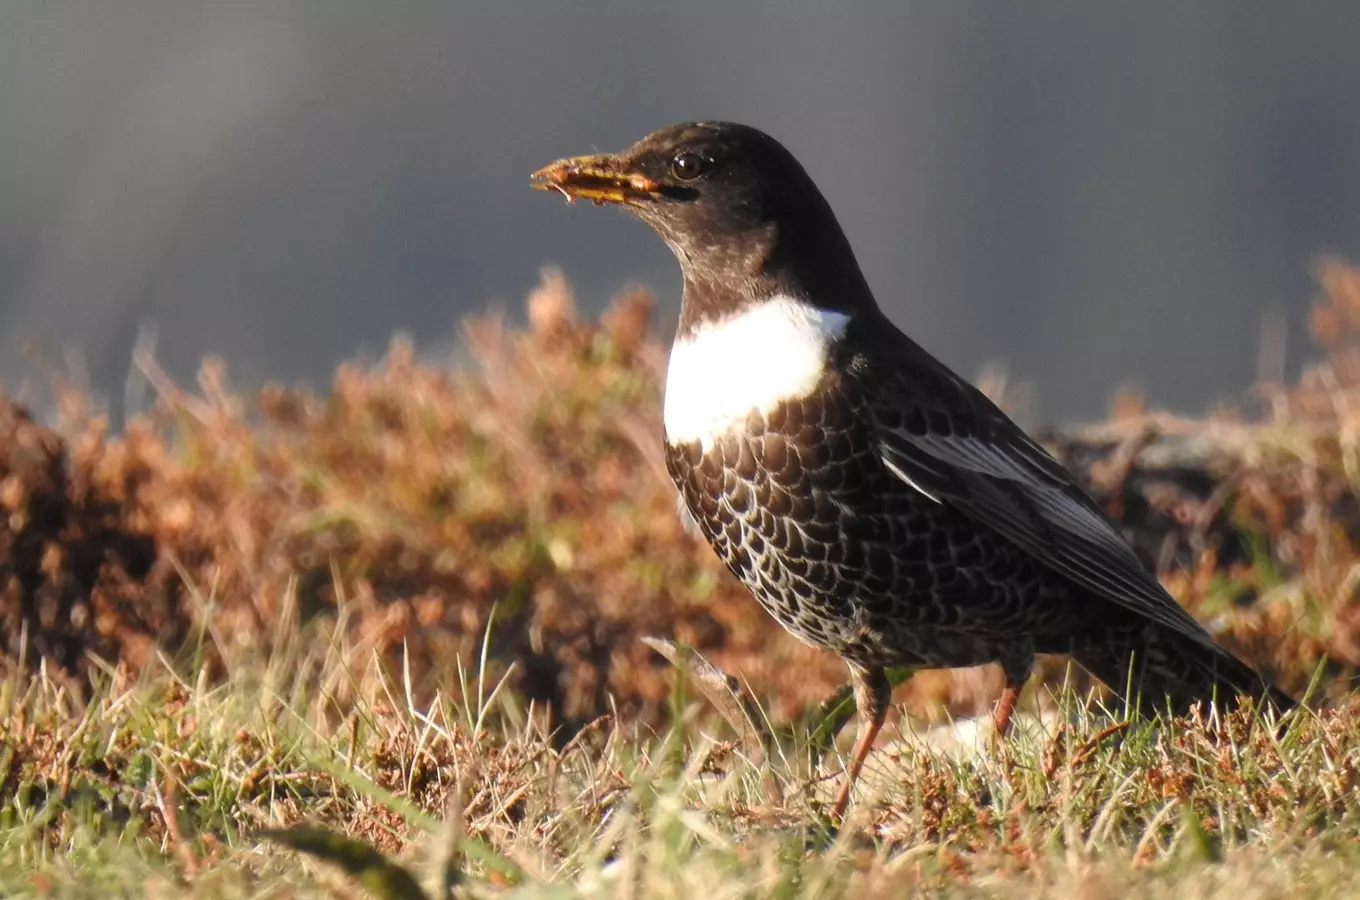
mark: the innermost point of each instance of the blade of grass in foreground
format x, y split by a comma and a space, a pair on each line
379, 875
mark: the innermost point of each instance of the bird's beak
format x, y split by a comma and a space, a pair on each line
603, 179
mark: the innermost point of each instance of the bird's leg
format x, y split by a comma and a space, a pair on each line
1016, 670
1005, 707
872, 693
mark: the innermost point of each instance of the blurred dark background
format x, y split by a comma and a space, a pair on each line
1093, 196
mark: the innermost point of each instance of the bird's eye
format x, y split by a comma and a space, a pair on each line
688, 166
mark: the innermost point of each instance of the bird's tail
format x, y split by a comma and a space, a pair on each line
1154, 667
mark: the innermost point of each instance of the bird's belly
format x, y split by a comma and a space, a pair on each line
844, 554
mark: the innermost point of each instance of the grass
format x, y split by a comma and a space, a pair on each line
440, 634
176, 780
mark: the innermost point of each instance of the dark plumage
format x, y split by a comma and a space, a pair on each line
874, 502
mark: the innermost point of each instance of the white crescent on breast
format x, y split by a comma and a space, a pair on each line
766, 354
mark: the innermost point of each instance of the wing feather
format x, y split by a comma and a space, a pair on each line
947, 440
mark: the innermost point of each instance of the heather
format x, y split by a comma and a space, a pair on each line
413, 610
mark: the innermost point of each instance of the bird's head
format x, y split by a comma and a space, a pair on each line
712, 190
740, 213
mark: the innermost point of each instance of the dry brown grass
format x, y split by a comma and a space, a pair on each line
420, 499
255, 611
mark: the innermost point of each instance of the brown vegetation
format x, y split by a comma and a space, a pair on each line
397, 511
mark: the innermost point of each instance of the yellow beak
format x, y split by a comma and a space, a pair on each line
603, 179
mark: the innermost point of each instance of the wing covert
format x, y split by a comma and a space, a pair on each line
948, 441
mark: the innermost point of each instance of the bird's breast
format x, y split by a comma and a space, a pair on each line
767, 354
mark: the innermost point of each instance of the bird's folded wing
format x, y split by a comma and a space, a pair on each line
948, 441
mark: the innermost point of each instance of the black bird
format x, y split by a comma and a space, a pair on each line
874, 502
